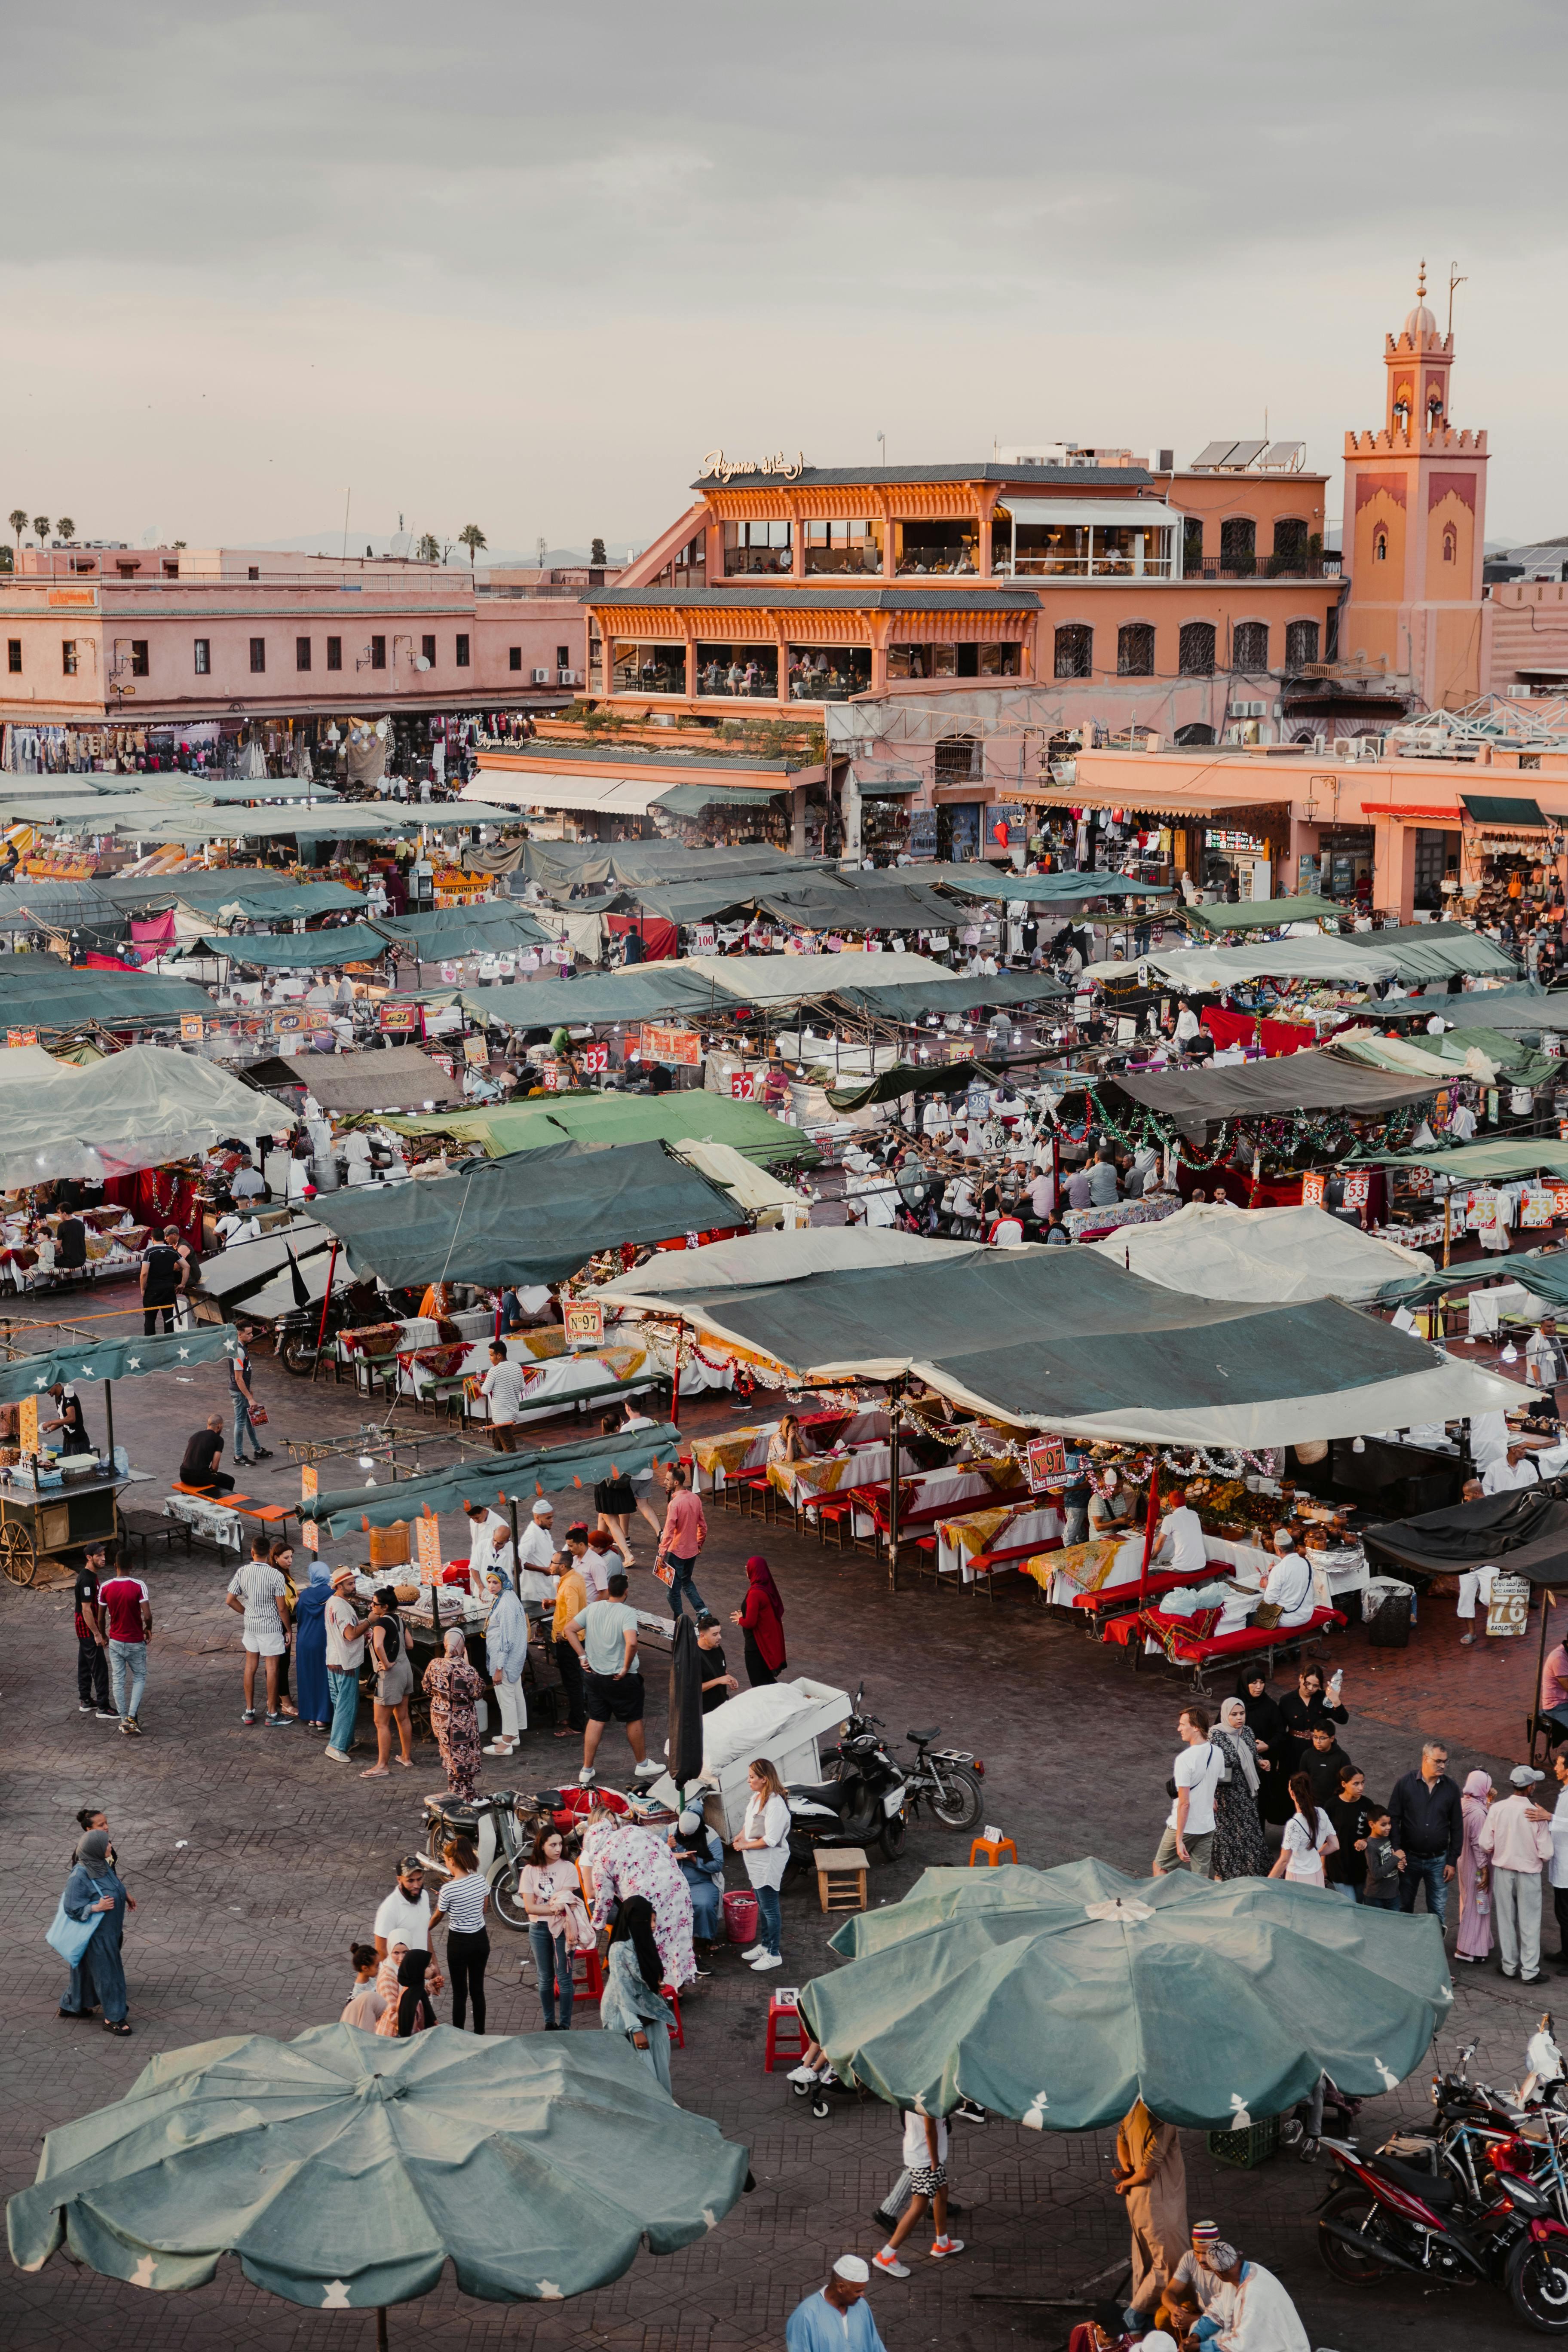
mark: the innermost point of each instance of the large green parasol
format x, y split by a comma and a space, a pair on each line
344, 2171
1058, 1997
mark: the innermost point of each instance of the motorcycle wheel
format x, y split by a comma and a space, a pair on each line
1352, 2210
506, 1899
963, 1805
892, 1837
1538, 2283
297, 1354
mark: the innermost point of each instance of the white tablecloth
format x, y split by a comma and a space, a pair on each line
958, 1483
1039, 1526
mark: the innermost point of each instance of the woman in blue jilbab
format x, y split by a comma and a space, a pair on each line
631, 2002
313, 1694
95, 1890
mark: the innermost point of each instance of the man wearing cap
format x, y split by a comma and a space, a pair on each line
536, 1555
837, 2318
345, 1653
1254, 2311
1192, 2290
1517, 1840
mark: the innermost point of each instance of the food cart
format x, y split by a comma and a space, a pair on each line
47, 1510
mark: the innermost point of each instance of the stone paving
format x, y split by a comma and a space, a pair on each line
255, 1863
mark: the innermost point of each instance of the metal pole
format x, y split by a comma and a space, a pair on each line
675, 1383
381, 2327
327, 1299
108, 1418
1149, 1527
1448, 1223
895, 1395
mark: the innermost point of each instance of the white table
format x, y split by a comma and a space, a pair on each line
1026, 1525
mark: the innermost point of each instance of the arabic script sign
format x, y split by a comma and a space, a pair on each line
724, 469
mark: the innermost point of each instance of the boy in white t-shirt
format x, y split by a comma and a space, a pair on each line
1189, 1833
925, 2157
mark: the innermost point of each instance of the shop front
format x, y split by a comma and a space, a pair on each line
882, 793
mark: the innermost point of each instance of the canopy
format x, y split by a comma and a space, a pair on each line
1525, 1532
1060, 1996
289, 902
1437, 951
24, 1066
381, 1078
135, 1109
68, 998
908, 1001
1061, 1339
495, 924
790, 978
694, 800
520, 1478
113, 1359
234, 1273
723, 1163
1516, 1010
1261, 914
344, 2171
909, 1078
1045, 889
858, 902
1211, 1251
1210, 970
1481, 1163
643, 992
296, 951
1286, 1082
533, 1217
617, 1118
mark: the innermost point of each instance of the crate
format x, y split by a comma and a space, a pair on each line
1245, 2149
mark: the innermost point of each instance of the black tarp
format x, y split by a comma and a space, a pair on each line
912, 1078
684, 1752
1288, 1082
1525, 1530
531, 1217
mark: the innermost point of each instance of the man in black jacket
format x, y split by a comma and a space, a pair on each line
1426, 1828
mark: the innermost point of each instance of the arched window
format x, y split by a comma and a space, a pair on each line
1194, 733
955, 760
1197, 658
1290, 537
1434, 409
1379, 548
1239, 544
1075, 650
1450, 543
1249, 646
1135, 649
1300, 643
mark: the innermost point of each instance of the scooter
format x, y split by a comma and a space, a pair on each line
1390, 2216
864, 1802
494, 1825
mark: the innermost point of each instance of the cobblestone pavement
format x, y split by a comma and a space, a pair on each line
255, 1862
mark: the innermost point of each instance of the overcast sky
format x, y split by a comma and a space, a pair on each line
522, 265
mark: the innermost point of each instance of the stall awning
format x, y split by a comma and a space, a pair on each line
533, 1217
1048, 890
695, 799
1502, 809
1213, 1252
1261, 914
1269, 1089
1157, 796
883, 779
296, 951
909, 1001
601, 1119
640, 993
119, 999
518, 1478
113, 1359
385, 1079
141, 1108
1481, 1163
1061, 1339
289, 903
493, 924
586, 790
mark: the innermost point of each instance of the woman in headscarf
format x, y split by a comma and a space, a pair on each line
312, 1692
631, 2002
1267, 1726
761, 1619
622, 1862
1476, 1928
699, 1856
453, 1689
95, 1891
1240, 1849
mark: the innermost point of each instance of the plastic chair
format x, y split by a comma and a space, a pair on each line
677, 2038
590, 1985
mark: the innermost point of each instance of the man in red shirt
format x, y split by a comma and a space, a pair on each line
127, 1611
684, 1533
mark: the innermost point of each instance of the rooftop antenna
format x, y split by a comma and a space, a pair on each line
1454, 280
882, 448
347, 496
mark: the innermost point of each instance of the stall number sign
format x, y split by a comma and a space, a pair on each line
476, 1053
21, 1036
1048, 1462
549, 1078
977, 1102
596, 1057
190, 1028
1536, 1208
1358, 1192
1559, 1200
397, 1016
743, 1086
1508, 1611
427, 1543
704, 939
584, 1323
1314, 1189
679, 1045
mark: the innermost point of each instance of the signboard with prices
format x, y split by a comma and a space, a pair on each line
584, 1319
427, 1543
681, 1046
1048, 1462
1314, 1189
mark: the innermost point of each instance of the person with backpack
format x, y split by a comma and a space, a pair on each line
1187, 1843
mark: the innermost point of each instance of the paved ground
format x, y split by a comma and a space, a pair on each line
255, 1863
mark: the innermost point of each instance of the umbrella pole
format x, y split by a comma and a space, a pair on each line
108, 1420
1149, 1527
327, 1299
381, 2327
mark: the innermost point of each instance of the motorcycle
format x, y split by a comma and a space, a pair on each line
500, 1828
948, 1779
1392, 2216
300, 1340
862, 1804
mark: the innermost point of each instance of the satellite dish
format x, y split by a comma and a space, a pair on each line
420, 662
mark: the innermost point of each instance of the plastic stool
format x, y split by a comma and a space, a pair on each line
996, 1850
590, 1985
784, 2019
677, 2039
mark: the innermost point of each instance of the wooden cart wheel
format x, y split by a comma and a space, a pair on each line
17, 1554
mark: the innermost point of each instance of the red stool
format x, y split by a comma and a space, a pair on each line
677, 2039
783, 2020
590, 1985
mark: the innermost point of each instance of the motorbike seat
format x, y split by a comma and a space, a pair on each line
827, 1792
1432, 2190
922, 1736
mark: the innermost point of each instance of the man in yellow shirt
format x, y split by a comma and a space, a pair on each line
572, 1596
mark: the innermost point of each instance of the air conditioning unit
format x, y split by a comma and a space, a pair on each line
1249, 710
1517, 693
541, 678
568, 678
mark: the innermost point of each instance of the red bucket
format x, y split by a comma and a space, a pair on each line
741, 1916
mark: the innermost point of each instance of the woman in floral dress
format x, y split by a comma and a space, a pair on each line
452, 1688
1240, 1849
623, 1861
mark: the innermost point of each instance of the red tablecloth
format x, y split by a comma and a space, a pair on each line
1247, 1029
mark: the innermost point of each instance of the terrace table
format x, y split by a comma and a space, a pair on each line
1010, 1529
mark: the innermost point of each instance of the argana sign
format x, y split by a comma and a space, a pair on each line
724, 469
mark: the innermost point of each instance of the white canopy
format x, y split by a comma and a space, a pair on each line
135, 1109
781, 979
1314, 958
27, 1065
1212, 1251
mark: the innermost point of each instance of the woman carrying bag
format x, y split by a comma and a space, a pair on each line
86, 1930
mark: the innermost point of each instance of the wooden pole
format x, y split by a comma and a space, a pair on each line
895, 1396
1149, 1527
675, 1383
326, 1298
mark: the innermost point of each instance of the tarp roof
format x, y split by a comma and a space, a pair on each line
791, 979
909, 1078
233, 1274
1525, 1532
1212, 970
134, 1109
1481, 1163
1481, 1053
1305, 1081
548, 1469
119, 1358
1514, 1010
533, 1217
385, 1079
691, 800
1428, 951
1260, 914
291, 901
858, 903
295, 950
1043, 890
23, 1065
1062, 1340
494, 923
640, 861
107, 997
1210, 1251
1494, 808
621, 1118
907, 1000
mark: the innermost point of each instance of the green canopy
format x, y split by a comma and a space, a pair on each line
518, 1478
296, 951
533, 1217
643, 992
344, 2171
1516, 1010
1060, 1996
113, 998
1482, 1163
1046, 889
1260, 914
291, 902
693, 799
492, 926
1437, 951
113, 1359
616, 1118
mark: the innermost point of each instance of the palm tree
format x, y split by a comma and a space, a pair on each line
473, 539
40, 528
17, 519
66, 528
428, 550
